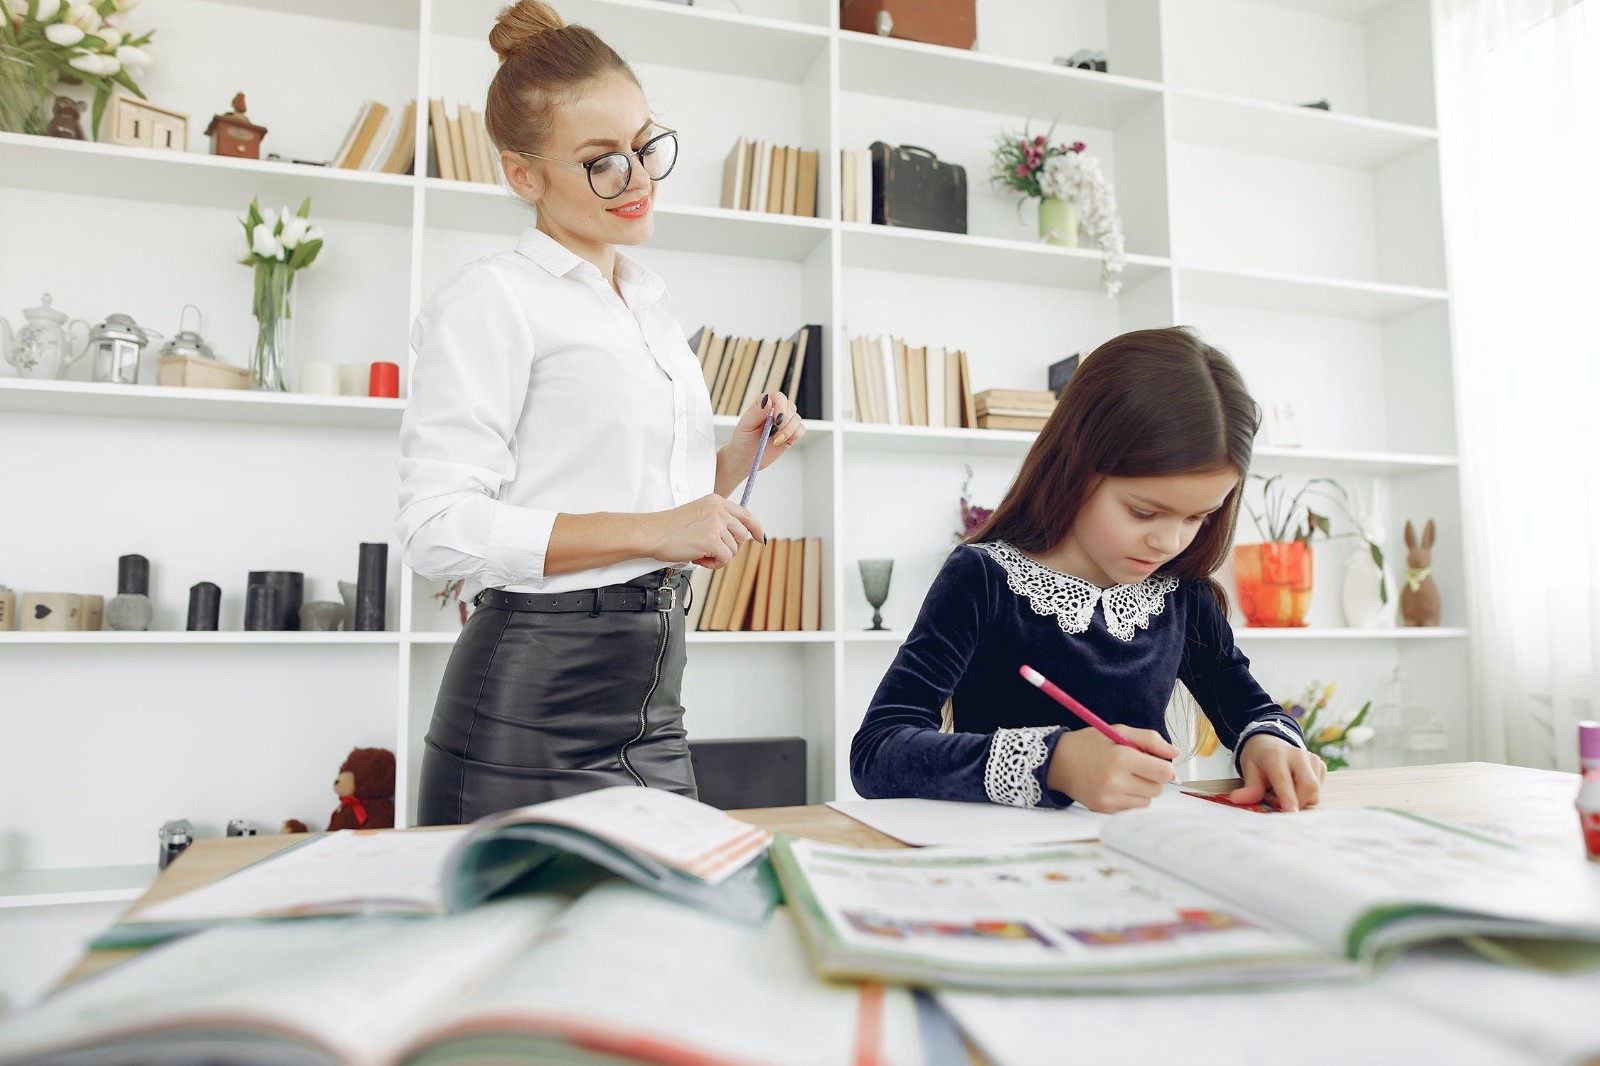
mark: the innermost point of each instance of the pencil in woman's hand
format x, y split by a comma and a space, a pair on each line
1039, 681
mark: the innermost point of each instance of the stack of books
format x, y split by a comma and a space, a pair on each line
1014, 408
739, 369
379, 139
459, 148
767, 587
855, 184
759, 176
898, 384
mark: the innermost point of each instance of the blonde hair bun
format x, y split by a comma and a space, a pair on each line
520, 24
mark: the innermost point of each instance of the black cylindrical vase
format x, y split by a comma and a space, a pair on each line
133, 575
205, 601
372, 587
261, 608
290, 588
130, 609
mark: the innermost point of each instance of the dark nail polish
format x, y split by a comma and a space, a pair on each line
763, 402
763, 538
776, 422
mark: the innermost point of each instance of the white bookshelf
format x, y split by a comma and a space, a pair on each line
1307, 243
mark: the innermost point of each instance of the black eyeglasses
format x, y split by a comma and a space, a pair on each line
610, 174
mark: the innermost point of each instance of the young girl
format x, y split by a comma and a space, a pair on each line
558, 453
1095, 570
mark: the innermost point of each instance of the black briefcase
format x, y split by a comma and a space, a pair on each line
911, 187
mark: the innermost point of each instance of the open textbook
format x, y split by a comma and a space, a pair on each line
658, 839
1186, 895
617, 974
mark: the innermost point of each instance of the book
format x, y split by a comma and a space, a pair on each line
806, 192
439, 129
599, 973
760, 369
471, 137
739, 619
343, 152
377, 143
760, 175
1027, 423
934, 372
811, 593
667, 842
728, 595
699, 593
793, 592
735, 172
371, 119
779, 551
776, 171
969, 414
1186, 894
791, 181
711, 362
761, 602
805, 372
458, 148
778, 376
403, 151
708, 612
847, 186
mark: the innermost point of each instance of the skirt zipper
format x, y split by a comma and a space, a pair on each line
655, 681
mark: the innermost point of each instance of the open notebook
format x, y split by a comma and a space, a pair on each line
1186, 895
618, 974
669, 843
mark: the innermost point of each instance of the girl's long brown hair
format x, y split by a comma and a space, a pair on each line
1151, 403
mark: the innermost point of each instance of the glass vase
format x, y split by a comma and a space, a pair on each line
1058, 222
274, 311
25, 95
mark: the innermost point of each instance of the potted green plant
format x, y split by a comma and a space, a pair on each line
1273, 579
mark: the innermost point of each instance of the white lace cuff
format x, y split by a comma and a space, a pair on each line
1014, 756
1267, 725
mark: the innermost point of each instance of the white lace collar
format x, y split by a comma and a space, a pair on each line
1072, 599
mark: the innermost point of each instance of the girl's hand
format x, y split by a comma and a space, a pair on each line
708, 531
787, 429
1106, 776
1272, 764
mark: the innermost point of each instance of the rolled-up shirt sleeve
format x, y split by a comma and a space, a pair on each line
469, 383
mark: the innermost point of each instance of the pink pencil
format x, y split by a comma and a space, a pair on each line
1039, 681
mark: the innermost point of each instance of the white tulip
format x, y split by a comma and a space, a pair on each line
269, 219
48, 9
294, 231
89, 64
133, 58
18, 8
264, 244
1359, 735
108, 65
115, 20
64, 34
111, 35
83, 16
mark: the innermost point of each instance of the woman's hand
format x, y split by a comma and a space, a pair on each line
733, 461
708, 531
1272, 764
1103, 775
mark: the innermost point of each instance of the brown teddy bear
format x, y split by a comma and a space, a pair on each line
65, 123
365, 787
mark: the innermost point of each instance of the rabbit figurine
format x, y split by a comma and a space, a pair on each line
1419, 597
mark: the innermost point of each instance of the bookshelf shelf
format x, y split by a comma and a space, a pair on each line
27, 396
929, 74
74, 885
1292, 132
955, 255
181, 639
88, 168
1369, 300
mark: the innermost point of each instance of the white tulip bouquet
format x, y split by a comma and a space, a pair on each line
46, 41
277, 245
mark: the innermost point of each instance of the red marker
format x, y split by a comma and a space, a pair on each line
1039, 681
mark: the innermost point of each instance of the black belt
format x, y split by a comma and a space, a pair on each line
609, 598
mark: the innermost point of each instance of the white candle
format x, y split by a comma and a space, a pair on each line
319, 378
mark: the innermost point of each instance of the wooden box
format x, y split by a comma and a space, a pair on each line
953, 23
200, 373
141, 124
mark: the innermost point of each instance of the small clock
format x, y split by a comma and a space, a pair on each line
233, 134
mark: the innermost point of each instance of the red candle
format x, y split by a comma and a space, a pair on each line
385, 380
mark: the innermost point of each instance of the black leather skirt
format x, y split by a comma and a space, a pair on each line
535, 706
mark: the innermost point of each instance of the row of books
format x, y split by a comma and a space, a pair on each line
855, 182
739, 369
379, 139
776, 586
898, 384
459, 148
759, 176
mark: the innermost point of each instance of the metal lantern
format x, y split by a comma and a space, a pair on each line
117, 344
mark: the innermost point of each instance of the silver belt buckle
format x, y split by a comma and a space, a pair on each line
671, 600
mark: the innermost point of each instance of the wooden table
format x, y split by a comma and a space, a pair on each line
1533, 807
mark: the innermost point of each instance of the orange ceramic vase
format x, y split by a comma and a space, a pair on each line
1273, 581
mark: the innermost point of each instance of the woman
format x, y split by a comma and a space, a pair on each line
558, 453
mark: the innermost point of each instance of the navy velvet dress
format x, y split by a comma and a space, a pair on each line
1118, 650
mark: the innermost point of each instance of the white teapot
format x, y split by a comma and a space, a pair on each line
40, 349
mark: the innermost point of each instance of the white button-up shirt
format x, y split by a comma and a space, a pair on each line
536, 391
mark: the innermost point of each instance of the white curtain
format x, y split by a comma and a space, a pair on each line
1519, 124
